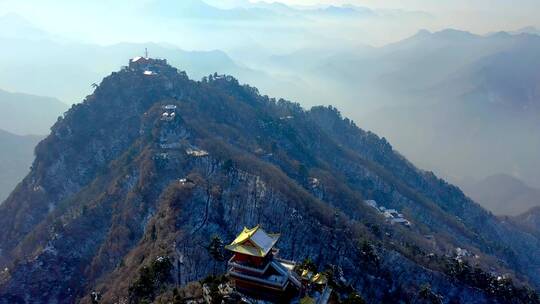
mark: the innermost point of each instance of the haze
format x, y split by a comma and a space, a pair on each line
108, 22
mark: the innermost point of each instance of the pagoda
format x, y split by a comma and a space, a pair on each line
256, 270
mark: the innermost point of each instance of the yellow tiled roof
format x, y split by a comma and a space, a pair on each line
254, 242
319, 278
306, 274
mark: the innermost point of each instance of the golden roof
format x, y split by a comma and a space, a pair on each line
319, 279
306, 274
254, 242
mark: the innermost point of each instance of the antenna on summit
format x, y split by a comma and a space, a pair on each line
146, 53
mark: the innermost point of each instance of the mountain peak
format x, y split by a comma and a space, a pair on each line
423, 32
15, 26
501, 34
454, 34
451, 34
528, 30
504, 194
153, 164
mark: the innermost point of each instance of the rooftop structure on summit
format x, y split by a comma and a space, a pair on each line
256, 270
149, 66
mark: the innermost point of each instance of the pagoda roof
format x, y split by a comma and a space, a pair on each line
138, 58
254, 242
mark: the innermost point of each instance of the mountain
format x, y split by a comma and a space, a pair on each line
527, 30
469, 96
28, 114
67, 69
431, 57
529, 220
491, 98
16, 156
503, 194
15, 26
348, 11
24, 120
258, 11
198, 9
118, 184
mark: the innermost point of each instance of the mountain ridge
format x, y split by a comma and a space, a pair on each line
530, 220
115, 185
503, 194
15, 159
26, 114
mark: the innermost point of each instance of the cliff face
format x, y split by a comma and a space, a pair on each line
117, 184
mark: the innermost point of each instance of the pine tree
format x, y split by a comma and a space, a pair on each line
215, 249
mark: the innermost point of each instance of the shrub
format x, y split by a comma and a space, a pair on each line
150, 279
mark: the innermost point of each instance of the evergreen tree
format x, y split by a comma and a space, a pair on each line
215, 249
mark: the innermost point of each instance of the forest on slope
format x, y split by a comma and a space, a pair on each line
114, 186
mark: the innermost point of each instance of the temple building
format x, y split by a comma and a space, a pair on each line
256, 270
149, 66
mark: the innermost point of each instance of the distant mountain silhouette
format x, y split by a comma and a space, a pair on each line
15, 26
458, 102
469, 97
503, 194
527, 30
21, 115
198, 9
72, 68
16, 156
28, 114
258, 11
529, 220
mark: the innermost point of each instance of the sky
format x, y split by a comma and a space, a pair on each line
107, 22
430, 5
475, 15
423, 5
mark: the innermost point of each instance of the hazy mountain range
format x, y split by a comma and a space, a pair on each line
258, 11
530, 220
25, 114
503, 194
67, 71
24, 120
16, 156
454, 102
475, 112
14, 26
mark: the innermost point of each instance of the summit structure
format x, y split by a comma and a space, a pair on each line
149, 66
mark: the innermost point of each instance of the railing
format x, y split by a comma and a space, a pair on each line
291, 275
238, 265
278, 283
